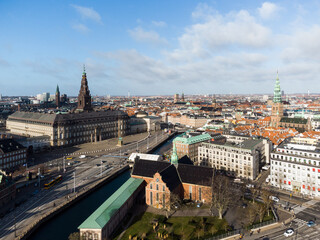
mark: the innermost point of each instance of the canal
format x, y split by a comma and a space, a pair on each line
67, 222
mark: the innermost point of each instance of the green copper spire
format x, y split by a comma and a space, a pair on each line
174, 155
57, 90
277, 91
84, 69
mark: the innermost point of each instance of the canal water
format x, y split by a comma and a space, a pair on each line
67, 222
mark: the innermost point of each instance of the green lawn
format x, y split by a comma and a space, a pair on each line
175, 227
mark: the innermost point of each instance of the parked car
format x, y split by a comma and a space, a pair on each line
289, 232
275, 199
266, 167
82, 156
199, 204
311, 223
244, 205
250, 186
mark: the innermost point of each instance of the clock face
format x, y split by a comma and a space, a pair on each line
157, 179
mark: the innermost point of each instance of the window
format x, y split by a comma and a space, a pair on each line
163, 200
200, 193
150, 185
157, 197
157, 187
190, 192
163, 188
151, 199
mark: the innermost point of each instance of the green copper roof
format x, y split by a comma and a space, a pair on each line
191, 140
99, 218
277, 91
174, 156
57, 89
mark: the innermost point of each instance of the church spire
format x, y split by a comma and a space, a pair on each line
174, 155
277, 91
84, 97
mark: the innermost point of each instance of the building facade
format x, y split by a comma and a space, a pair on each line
7, 193
186, 144
12, 154
84, 125
166, 182
241, 160
296, 167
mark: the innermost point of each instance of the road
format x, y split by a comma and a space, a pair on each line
77, 177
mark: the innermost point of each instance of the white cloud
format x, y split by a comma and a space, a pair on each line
267, 10
80, 27
159, 23
88, 13
150, 37
302, 45
202, 40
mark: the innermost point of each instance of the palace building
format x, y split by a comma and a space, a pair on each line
81, 126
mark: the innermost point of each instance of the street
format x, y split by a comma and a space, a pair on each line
77, 177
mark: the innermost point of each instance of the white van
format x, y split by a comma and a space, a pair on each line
82, 156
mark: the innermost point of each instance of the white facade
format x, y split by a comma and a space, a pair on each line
242, 161
296, 169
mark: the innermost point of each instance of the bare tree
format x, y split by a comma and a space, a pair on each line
255, 193
223, 196
261, 210
251, 214
266, 198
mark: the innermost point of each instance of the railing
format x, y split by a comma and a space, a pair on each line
258, 225
228, 234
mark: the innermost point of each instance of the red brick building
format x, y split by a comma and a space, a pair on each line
164, 179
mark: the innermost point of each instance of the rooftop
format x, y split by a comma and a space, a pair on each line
99, 218
187, 139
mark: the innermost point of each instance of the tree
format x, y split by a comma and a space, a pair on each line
223, 196
255, 193
251, 214
261, 210
74, 236
266, 198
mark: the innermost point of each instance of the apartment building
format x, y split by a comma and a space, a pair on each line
295, 166
240, 159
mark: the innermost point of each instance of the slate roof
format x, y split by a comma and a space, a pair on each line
10, 145
99, 218
170, 177
52, 118
146, 168
195, 174
186, 173
39, 117
185, 160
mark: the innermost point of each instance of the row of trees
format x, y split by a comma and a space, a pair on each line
227, 194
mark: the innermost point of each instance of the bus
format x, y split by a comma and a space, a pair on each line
52, 182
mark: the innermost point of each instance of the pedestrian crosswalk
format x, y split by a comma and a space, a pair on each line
300, 221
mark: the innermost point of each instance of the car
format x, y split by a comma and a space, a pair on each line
266, 167
176, 205
275, 199
244, 205
250, 186
199, 204
311, 223
82, 156
289, 232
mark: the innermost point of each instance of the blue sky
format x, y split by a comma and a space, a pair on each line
159, 47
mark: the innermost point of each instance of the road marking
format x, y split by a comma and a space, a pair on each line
301, 208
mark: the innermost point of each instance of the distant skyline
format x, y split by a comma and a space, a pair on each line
159, 47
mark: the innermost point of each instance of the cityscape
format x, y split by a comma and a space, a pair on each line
137, 120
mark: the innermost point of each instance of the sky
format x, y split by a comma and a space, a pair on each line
162, 47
